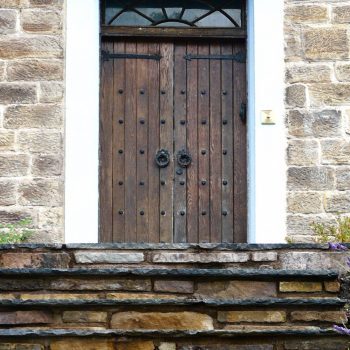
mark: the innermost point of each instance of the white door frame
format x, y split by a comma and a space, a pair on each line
266, 143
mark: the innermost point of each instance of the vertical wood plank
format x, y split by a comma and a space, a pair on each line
130, 145
227, 145
215, 145
153, 145
203, 144
118, 143
167, 139
106, 215
180, 120
240, 149
142, 93
192, 145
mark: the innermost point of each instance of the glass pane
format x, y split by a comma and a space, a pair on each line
199, 13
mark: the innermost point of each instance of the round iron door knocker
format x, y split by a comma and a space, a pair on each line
184, 159
162, 158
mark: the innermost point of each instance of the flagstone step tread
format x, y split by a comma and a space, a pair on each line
179, 301
258, 274
274, 331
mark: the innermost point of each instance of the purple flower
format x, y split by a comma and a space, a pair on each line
348, 262
342, 330
337, 246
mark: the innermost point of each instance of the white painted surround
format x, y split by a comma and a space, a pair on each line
266, 151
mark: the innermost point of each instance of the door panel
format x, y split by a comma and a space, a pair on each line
178, 105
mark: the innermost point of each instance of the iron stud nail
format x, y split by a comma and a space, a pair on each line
121, 212
224, 92
162, 182
204, 212
183, 122
204, 151
204, 122
224, 182
183, 92
224, 152
142, 121
120, 91
142, 183
182, 213
142, 213
162, 92
142, 151
203, 92
162, 212
224, 213
121, 121
120, 151
182, 183
142, 91
224, 122
120, 183
203, 182
162, 121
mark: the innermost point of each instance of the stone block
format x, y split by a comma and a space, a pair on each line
252, 316
300, 287
25, 317
84, 317
174, 286
335, 151
326, 43
23, 284
137, 345
12, 93
227, 346
51, 92
305, 202
7, 140
342, 72
308, 73
21, 346
303, 152
46, 3
264, 256
13, 165
13, 216
300, 225
331, 94
306, 13
167, 346
7, 193
108, 257
58, 296
8, 21
332, 286
320, 316
35, 260
341, 14
39, 21
41, 193
296, 95
314, 260
40, 142
311, 178
31, 47
326, 123
107, 284
50, 217
236, 289
165, 257
34, 70
46, 165
324, 343
161, 321
82, 344
146, 296
337, 202
342, 175
34, 116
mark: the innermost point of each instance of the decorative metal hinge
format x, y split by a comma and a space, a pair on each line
238, 57
106, 56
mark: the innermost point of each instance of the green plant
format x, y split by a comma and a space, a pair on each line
15, 233
340, 232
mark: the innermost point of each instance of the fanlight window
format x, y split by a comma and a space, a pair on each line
174, 13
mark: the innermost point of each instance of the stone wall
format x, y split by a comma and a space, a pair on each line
31, 114
318, 112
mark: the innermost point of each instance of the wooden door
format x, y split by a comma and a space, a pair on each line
173, 141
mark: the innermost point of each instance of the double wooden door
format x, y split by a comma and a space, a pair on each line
173, 141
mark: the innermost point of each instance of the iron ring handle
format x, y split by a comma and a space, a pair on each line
162, 158
184, 159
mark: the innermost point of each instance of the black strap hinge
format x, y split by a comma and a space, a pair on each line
238, 57
106, 56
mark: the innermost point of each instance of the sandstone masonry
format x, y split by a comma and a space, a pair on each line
317, 76
32, 115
